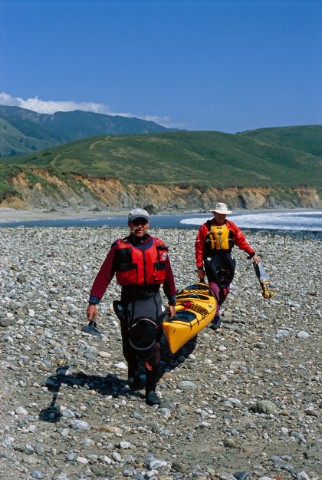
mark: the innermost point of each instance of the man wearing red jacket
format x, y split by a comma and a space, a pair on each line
214, 242
141, 265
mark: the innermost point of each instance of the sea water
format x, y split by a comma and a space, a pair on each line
300, 221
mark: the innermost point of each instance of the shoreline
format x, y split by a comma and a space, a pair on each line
12, 215
8, 215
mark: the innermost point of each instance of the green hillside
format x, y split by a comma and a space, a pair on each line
307, 138
21, 142
188, 158
24, 131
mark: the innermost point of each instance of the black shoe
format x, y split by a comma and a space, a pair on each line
215, 324
152, 398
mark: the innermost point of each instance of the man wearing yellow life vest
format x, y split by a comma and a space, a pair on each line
141, 265
214, 242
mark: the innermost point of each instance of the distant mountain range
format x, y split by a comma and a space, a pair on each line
24, 131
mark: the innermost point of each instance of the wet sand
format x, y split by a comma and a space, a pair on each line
8, 215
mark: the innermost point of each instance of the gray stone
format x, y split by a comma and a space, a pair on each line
37, 474
7, 321
187, 385
79, 425
265, 406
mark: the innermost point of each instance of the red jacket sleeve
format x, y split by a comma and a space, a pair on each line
105, 275
169, 286
239, 238
200, 244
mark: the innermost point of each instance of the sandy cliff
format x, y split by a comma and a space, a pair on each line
42, 190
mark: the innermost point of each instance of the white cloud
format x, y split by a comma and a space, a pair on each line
51, 106
6, 99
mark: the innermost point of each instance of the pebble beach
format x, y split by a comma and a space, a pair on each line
240, 402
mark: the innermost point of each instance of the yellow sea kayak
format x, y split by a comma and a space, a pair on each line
195, 309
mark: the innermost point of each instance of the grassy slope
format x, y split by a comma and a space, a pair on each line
192, 158
307, 138
13, 140
24, 131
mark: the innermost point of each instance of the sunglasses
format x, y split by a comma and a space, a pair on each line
139, 221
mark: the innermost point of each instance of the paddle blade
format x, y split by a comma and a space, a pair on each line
264, 280
92, 329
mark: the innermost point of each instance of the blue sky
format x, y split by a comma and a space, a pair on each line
201, 65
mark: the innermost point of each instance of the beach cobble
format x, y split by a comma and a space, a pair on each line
240, 402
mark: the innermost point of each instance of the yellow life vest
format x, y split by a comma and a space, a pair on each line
219, 238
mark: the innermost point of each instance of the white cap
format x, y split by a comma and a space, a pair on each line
138, 213
220, 208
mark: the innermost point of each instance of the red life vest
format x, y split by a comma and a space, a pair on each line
135, 266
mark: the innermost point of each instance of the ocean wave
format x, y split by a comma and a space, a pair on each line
309, 221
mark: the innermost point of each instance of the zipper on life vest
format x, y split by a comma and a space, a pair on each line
220, 242
144, 265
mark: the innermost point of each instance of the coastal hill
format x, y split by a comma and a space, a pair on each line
172, 171
24, 131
